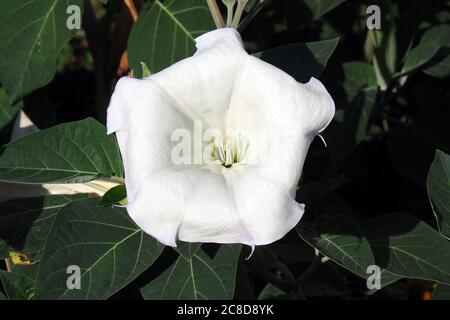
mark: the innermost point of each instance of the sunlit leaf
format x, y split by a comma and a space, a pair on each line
197, 278
70, 152
110, 250
165, 33
32, 34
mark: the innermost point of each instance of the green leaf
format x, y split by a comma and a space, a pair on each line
117, 194
187, 249
198, 278
17, 285
340, 239
441, 292
71, 152
165, 33
351, 124
419, 56
109, 248
25, 223
8, 115
320, 7
438, 187
440, 65
358, 76
301, 60
385, 52
408, 247
438, 35
2, 296
33, 33
270, 292
327, 280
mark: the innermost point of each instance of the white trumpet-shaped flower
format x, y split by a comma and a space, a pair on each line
244, 191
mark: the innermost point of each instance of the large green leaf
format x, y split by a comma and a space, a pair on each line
2, 296
419, 56
357, 76
340, 239
270, 292
33, 32
440, 36
165, 33
104, 243
320, 7
438, 186
18, 286
351, 124
8, 114
301, 60
71, 152
440, 66
408, 247
26, 223
197, 278
187, 249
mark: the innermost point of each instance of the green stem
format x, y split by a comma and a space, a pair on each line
230, 9
8, 264
315, 264
238, 14
249, 17
215, 12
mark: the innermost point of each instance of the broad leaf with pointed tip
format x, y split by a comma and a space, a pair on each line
340, 239
187, 249
8, 114
301, 60
19, 285
197, 278
67, 153
438, 187
408, 247
109, 248
320, 7
165, 33
33, 32
26, 223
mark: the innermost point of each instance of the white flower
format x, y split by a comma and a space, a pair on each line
231, 201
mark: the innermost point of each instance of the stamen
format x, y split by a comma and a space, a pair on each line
229, 150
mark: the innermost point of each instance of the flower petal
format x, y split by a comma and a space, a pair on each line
202, 84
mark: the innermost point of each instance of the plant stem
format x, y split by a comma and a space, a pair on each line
255, 10
230, 9
238, 14
215, 12
8, 264
315, 263
132, 8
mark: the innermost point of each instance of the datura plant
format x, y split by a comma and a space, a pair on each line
176, 150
